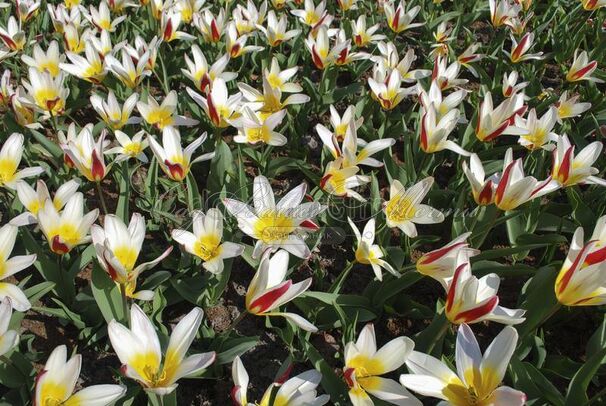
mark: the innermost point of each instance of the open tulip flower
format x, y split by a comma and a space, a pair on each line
440, 264
515, 188
8, 338
511, 87
535, 132
269, 289
582, 68
568, 107
276, 31
218, 105
568, 169
519, 49
276, 225
10, 266
48, 61
87, 155
322, 54
472, 300
118, 247
66, 229
478, 376
582, 279
492, 122
10, 159
404, 208
13, 36
130, 147
163, 115
34, 200
298, 390
172, 158
201, 74
339, 180
390, 93
205, 241
369, 253
364, 365
138, 348
398, 19
591, 5
482, 189
56, 383
434, 131
501, 11
312, 15
114, 115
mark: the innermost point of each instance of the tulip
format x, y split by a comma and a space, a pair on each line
299, 390
87, 155
535, 133
270, 101
147, 51
367, 252
364, 366
210, 27
130, 147
501, 11
163, 115
582, 279
519, 49
118, 247
34, 200
568, 170
582, 68
482, 189
45, 93
26, 9
515, 189
66, 229
492, 122
363, 36
187, 9
276, 225
592, 5
8, 338
390, 60
169, 25
6, 90
138, 349
10, 158
110, 111
440, 264
339, 180
390, 93
172, 158
268, 290
322, 54
472, 300
312, 16
253, 128
511, 87
478, 376
280, 79
277, 30
517, 24
218, 105
74, 39
340, 125
55, 384
568, 107
45, 61
10, 266
446, 75
199, 73
248, 18
205, 241
129, 74
92, 68
101, 18
400, 20
470, 56
434, 131
13, 36
235, 43
403, 210
441, 104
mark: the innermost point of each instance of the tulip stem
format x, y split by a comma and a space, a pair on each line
100, 192
124, 302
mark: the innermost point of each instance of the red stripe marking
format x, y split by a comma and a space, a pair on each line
264, 302
477, 312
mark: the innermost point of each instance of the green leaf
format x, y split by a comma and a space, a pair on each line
107, 295
577, 390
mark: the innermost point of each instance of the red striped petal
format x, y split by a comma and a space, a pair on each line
266, 300
478, 312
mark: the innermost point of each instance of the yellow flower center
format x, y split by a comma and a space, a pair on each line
274, 80
48, 99
208, 247
254, 135
51, 67
127, 256
8, 167
365, 366
133, 149
273, 226
160, 117
400, 209
67, 232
